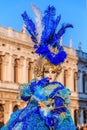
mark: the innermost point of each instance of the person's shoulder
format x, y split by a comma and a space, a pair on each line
63, 86
65, 91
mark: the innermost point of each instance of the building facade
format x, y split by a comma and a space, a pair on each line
16, 66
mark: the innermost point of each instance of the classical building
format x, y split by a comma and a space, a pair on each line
16, 66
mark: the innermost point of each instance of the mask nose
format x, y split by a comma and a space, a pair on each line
49, 74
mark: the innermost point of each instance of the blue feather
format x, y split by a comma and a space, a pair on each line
63, 29
53, 31
49, 23
50, 35
55, 40
30, 26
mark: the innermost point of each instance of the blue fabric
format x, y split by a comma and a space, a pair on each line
37, 115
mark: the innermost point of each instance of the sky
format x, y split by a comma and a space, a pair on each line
72, 11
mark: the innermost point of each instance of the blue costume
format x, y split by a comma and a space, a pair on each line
48, 102
47, 107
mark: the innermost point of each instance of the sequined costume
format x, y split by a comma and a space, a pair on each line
47, 108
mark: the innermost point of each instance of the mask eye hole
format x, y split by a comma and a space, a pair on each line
53, 72
46, 71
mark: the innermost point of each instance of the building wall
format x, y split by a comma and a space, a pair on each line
16, 67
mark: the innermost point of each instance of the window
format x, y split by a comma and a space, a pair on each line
16, 70
85, 116
76, 116
0, 68
30, 71
15, 108
1, 115
65, 77
75, 81
84, 83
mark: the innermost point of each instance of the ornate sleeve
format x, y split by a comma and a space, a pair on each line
65, 94
26, 90
61, 96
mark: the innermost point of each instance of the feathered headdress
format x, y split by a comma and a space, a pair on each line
45, 35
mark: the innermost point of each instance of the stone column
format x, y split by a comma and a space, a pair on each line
10, 109
18, 67
7, 111
9, 68
4, 67
61, 77
65, 78
0, 68
20, 70
70, 79
25, 71
72, 113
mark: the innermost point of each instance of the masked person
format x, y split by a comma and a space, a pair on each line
48, 100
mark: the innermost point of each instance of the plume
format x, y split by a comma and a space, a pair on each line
39, 26
46, 35
30, 26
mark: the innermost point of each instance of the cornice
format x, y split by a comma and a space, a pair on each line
15, 41
71, 57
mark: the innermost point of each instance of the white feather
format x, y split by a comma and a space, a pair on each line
39, 26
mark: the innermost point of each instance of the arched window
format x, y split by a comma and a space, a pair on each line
16, 70
65, 77
0, 68
84, 82
15, 108
76, 116
30, 71
1, 115
75, 81
85, 116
